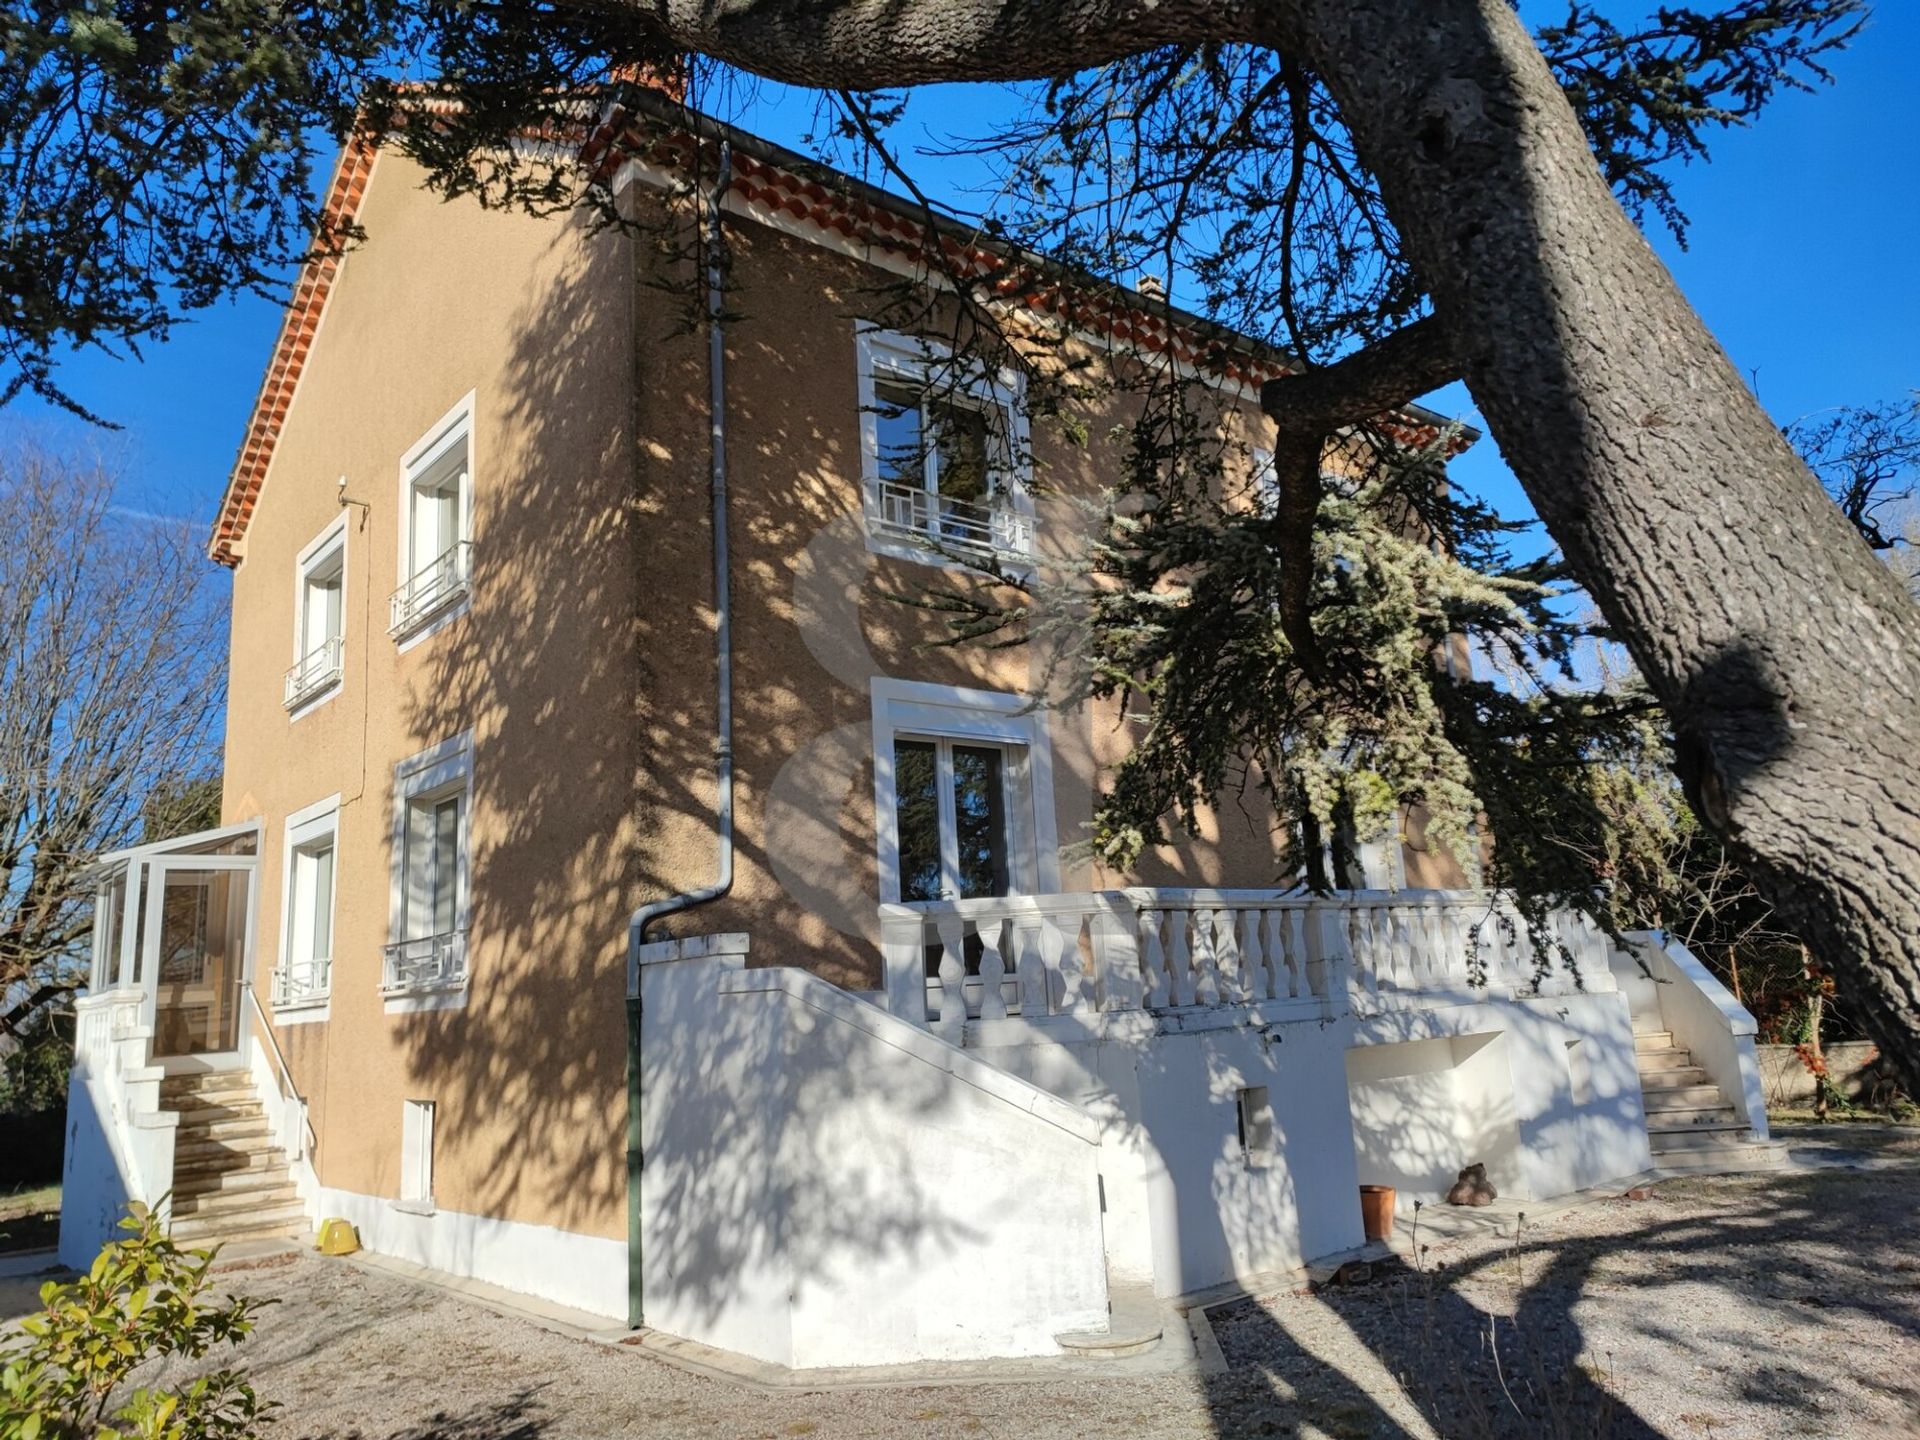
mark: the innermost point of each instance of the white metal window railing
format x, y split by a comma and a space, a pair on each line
302, 980
316, 670
430, 963
442, 581
916, 513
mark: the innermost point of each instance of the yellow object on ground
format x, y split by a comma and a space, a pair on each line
337, 1237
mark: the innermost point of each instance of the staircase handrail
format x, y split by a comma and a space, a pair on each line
288, 1090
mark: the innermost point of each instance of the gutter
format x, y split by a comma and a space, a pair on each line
656, 910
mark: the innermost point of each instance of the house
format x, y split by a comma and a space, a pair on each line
622, 902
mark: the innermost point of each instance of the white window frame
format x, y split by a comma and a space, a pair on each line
320, 820
884, 355
433, 773
455, 427
917, 710
308, 688
416, 1157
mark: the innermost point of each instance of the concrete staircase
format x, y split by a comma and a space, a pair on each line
230, 1181
1691, 1125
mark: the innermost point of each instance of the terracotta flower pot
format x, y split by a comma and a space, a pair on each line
1376, 1210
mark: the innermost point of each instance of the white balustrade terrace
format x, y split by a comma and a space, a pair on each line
1079, 956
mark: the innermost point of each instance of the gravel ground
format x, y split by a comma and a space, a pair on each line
1720, 1308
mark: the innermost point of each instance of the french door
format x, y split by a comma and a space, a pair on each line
963, 811
195, 935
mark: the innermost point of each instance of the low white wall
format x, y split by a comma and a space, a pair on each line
1187, 1207
1706, 1020
94, 1192
1545, 1091
826, 1185
1425, 1109
586, 1272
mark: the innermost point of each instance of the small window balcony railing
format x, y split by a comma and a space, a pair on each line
437, 587
316, 672
910, 512
302, 982
432, 962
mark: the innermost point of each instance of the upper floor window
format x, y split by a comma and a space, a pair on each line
436, 522
319, 637
943, 452
427, 950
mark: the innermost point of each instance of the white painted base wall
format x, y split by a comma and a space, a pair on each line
1187, 1207
586, 1272
827, 1185
1545, 1092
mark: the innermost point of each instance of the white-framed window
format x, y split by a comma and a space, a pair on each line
963, 793
426, 956
943, 446
416, 1154
1266, 482
319, 619
436, 525
303, 980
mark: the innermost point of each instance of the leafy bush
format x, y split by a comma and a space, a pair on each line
69, 1375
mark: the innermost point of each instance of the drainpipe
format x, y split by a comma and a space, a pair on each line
656, 910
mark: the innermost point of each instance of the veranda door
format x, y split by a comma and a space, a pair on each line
964, 817
196, 939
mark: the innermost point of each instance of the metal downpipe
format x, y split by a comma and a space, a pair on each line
656, 910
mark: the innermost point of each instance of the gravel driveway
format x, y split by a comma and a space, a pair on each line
1719, 1308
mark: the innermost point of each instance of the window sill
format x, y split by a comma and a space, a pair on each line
920, 549
444, 609
410, 999
313, 696
296, 1009
414, 1207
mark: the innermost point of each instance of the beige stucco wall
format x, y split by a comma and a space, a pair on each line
533, 317
817, 617
584, 669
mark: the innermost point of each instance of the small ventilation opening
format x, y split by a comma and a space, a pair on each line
1256, 1126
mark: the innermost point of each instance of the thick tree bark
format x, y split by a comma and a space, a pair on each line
1788, 658
1306, 409
1786, 655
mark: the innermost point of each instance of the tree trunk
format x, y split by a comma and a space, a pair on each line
1787, 656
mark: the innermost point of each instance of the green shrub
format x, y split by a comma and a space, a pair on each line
69, 1374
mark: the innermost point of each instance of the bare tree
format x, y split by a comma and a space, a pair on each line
1868, 457
112, 681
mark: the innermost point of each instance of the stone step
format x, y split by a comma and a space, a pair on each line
242, 1127
1666, 1058
278, 1220
1645, 1040
272, 1172
231, 1202
196, 1155
1135, 1322
1692, 1117
1681, 1097
206, 1083
1734, 1155
1684, 1078
194, 1116
1693, 1137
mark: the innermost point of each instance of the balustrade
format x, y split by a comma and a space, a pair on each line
1039, 957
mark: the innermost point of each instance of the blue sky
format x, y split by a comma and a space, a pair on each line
1801, 261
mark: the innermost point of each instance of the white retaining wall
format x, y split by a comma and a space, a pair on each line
1188, 1206
1545, 1092
826, 1185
